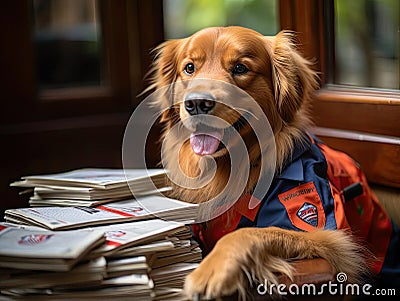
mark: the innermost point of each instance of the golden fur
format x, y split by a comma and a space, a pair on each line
282, 83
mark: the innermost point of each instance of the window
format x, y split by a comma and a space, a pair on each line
184, 17
367, 43
70, 72
362, 121
67, 41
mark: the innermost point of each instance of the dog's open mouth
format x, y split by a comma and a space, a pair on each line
208, 141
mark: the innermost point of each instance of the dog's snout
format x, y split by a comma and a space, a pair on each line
199, 103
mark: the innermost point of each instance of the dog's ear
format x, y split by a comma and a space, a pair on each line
163, 71
162, 74
292, 77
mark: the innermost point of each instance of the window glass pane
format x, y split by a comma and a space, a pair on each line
184, 17
67, 39
367, 43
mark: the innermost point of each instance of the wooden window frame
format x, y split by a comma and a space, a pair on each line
364, 122
48, 131
125, 54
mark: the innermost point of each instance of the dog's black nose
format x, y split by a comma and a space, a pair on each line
199, 103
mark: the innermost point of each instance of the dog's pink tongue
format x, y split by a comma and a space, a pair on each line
205, 144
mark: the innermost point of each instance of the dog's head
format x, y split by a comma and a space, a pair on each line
269, 69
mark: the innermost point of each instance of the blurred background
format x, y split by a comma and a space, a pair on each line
68, 39
71, 72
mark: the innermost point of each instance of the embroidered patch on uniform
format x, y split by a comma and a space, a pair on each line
304, 207
308, 213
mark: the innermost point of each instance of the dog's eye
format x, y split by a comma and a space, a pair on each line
189, 69
239, 69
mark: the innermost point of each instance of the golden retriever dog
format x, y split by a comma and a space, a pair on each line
318, 205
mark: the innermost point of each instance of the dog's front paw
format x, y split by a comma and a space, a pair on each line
218, 275
239, 260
